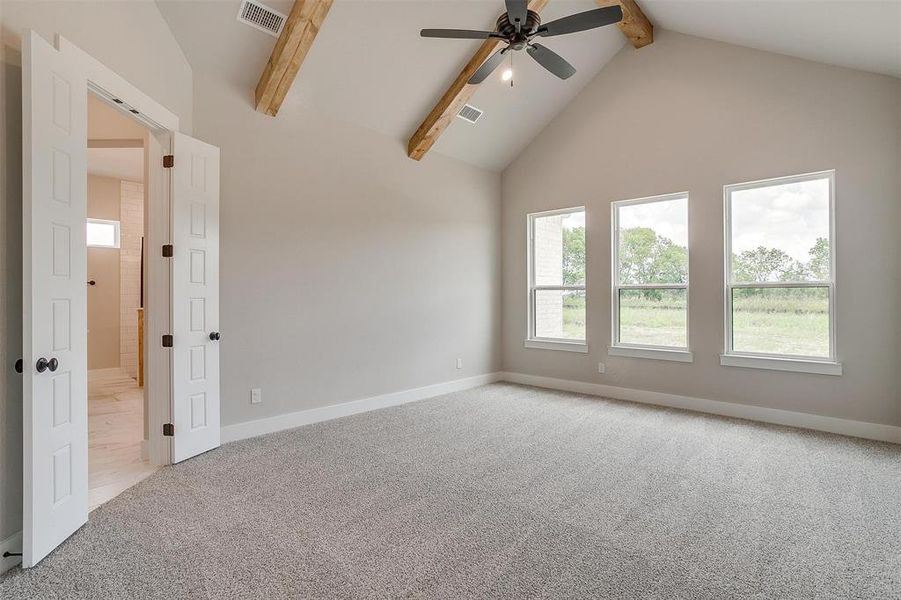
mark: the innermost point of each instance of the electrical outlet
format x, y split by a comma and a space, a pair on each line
256, 396
459, 363
602, 368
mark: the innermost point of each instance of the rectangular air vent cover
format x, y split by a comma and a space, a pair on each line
260, 16
469, 113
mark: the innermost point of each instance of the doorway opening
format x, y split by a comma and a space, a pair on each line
118, 424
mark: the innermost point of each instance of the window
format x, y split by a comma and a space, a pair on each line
650, 278
780, 274
557, 280
103, 234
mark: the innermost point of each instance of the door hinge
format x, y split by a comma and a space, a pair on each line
168, 429
168, 161
168, 251
167, 340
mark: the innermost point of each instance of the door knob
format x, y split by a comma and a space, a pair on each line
43, 364
19, 366
92, 282
214, 336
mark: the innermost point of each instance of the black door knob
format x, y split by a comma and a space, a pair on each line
43, 364
214, 336
92, 282
19, 366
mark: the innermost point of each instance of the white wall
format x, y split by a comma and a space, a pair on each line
691, 114
131, 38
347, 270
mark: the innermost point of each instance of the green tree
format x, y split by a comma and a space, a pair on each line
574, 256
818, 265
645, 257
767, 264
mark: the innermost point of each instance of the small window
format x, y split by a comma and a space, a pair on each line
650, 274
780, 268
103, 234
557, 276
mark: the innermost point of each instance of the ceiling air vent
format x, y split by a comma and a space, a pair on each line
470, 113
259, 16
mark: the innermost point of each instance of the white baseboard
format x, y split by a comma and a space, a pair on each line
240, 431
872, 431
11, 544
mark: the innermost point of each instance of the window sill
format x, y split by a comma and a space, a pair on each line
581, 347
817, 367
651, 353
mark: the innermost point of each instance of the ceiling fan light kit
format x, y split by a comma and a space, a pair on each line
518, 27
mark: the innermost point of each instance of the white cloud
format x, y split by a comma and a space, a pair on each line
789, 216
668, 218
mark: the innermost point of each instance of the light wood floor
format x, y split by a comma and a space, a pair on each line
115, 431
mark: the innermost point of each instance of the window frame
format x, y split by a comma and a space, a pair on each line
617, 347
546, 343
765, 360
116, 228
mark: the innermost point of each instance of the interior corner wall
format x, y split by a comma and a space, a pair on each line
347, 269
131, 38
691, 114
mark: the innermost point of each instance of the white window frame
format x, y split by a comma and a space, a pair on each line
115, 225
544, 343
618, 348
779, 362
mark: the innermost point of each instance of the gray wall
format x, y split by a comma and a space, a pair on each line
134, 40
691, 114
347, 269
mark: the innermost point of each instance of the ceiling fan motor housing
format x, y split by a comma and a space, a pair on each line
518, 40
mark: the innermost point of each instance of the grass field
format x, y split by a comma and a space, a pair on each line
769, 321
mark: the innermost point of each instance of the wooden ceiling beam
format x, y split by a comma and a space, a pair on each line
635, 25
296, 39
455, 97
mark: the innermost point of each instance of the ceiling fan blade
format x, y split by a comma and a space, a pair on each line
583, 21
488, 66
517, 12
551, 61
461, 34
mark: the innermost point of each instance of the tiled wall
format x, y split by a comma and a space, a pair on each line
131, 231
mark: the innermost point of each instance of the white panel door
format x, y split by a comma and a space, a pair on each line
55, 407
195, 296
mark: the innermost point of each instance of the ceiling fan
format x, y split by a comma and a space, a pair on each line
519, 26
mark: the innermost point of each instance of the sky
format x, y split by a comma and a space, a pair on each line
790, 217
669, 218
573, 220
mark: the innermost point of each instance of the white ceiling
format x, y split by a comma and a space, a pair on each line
118, 163
861, 34
370, 67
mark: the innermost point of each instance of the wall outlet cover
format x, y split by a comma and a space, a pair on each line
256, 396
459, 363
602, 368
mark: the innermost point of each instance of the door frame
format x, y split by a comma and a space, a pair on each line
118, 93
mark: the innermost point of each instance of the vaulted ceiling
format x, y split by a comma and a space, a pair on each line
369, 66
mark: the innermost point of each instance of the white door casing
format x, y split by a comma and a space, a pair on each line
55, 428
195, 296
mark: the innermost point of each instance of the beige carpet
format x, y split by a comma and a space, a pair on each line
501, 491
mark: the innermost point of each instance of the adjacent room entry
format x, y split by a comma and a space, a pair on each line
118, 451
174, 406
